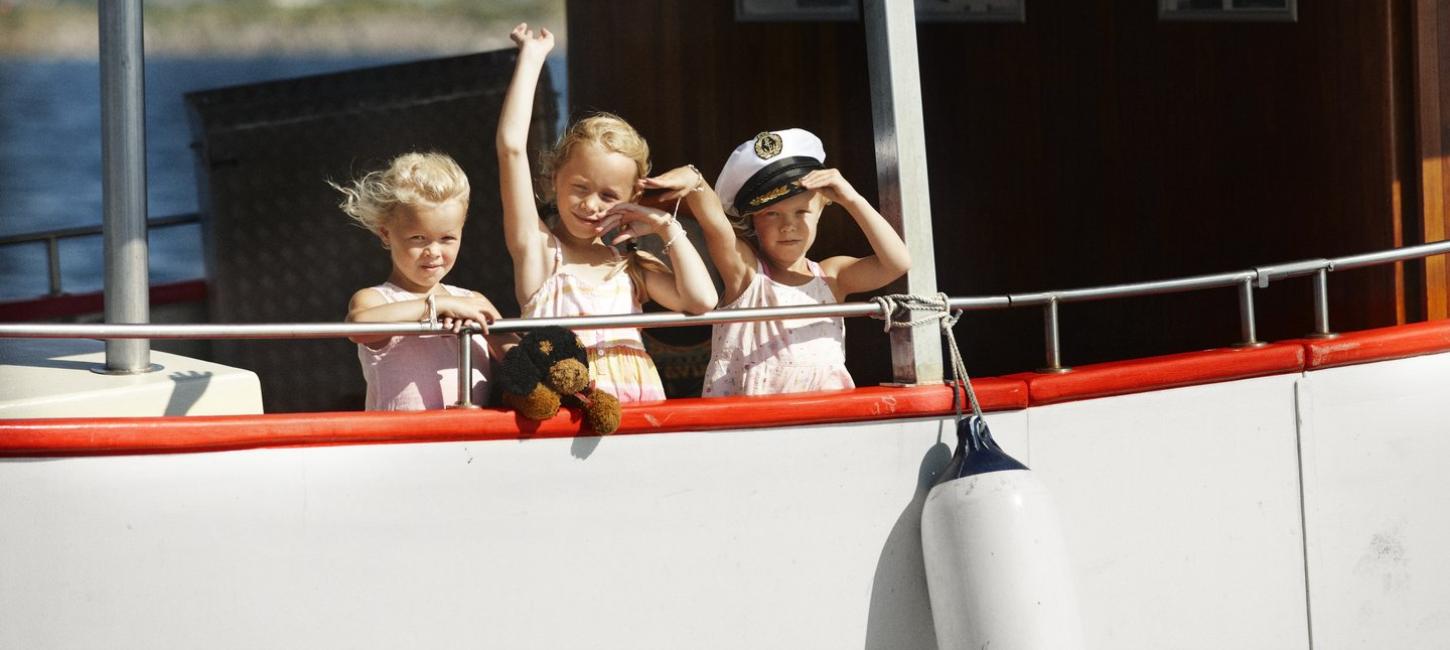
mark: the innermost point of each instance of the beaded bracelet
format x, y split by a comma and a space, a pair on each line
678, 234
700, 184
674, 220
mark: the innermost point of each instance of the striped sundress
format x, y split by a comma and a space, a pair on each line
618, 362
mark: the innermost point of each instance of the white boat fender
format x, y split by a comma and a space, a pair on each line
996, 565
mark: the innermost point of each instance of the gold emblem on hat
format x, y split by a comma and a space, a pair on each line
768, 145
771, 195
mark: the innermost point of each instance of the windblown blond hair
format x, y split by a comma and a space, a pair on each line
611, 133
607, 130
410, 179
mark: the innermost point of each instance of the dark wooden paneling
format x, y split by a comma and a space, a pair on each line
697, 84
1430, 99
1091, 145
1441, 87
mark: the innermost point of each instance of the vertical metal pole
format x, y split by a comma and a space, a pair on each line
52, 252
123, 180
1321, 305
465, 371
1246, 315
1052, 341
905, 201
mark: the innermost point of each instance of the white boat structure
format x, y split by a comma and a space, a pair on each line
1266, 495
1281, 496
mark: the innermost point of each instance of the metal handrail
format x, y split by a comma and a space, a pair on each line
337, 330
1244, 281
52, 241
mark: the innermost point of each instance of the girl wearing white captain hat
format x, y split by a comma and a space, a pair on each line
774, 188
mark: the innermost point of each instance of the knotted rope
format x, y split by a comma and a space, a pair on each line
896, 311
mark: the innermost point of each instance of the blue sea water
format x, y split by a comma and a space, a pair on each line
50, 159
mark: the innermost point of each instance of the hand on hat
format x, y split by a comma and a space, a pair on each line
531, 43
676, 183
634, 221
830, 183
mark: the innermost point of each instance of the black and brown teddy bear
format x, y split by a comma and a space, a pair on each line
549, 368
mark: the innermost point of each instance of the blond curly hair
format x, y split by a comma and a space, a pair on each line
410, 179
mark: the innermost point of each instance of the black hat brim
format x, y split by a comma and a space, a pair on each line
774, 183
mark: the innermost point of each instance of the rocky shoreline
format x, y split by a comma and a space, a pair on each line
70, 32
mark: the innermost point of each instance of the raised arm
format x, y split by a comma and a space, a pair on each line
524, 232
858, 274
687, 287
733, 258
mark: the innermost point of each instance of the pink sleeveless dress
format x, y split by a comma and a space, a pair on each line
618, 362
779, 356
414, 373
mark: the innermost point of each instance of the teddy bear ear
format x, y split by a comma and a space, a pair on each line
572, 347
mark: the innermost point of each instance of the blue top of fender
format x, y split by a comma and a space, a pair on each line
977, 453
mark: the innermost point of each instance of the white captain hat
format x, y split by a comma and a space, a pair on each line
764, 169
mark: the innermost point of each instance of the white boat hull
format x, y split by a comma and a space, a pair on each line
1257, 513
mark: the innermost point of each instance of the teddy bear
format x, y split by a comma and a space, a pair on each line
549, 368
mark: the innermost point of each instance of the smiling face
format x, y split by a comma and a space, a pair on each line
591, 181
423, 241
786, 230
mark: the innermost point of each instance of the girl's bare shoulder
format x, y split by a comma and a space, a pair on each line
367, 297
831, 266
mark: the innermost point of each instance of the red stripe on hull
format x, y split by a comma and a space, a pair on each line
1169, 371
1379, 344
100, 436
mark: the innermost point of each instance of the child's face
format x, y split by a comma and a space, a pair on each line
786, 230
423, 241
590, 182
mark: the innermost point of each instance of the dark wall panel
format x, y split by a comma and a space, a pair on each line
1091, 145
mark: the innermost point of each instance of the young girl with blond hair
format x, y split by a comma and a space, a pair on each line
772, 192
416, 207
567, 268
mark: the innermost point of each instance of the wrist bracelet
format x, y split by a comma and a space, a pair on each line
678, 234
700, 184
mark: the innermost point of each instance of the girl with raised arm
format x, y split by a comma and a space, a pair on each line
565, 267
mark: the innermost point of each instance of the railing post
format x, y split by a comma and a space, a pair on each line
465, 371
123, 181
1247, 331
901, 175
1321, 306
1051, 339
52, 252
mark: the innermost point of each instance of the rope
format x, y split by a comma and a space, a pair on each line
896, 312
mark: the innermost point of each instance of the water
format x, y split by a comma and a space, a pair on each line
50, 159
